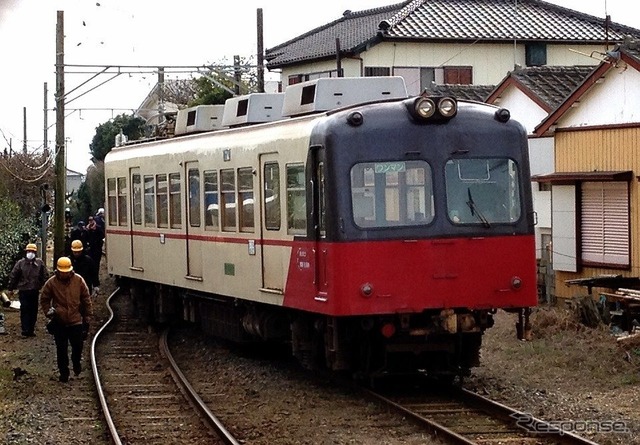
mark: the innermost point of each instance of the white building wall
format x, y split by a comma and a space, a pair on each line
522, 108
616, 103
491, 62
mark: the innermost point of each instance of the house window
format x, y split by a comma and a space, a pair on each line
604, 223
535, 54
371, 71
458, 75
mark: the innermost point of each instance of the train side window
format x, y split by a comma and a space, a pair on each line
149, 201
113, 201
245, 198
136, 198
272, 212
322, 201
162, 200
228, 200
122, 201
296, 200
388, 194
194, 197
175, 201
211, 200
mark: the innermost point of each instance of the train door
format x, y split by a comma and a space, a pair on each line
318, 221
136, 219
274, 255
194, 221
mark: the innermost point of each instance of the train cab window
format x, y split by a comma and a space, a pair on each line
162, 200
245, 198
122, 202
482, 191
211, 200
136, 198
112, 198
296, 200
272, 212
389, 194
175, 201
194, 197
149, 201
228, 200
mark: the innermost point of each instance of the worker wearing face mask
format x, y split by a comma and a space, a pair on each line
27, 276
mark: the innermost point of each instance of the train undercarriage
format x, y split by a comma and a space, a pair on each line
439, 343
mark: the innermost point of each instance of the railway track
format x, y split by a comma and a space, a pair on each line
460, 416
144, 396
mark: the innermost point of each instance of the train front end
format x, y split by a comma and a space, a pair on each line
421, 226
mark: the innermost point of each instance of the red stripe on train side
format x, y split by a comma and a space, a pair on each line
411, 276
206, 238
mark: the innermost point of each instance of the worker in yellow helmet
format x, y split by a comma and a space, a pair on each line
28, 276
65, 299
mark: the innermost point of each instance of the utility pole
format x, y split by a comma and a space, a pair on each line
44, 211
46, 123
60, 167
260, 53
24, 130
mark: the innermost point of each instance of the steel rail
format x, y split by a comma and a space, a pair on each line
193, 396
489, 406
115, 437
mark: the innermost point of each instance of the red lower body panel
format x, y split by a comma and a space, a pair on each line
410, 276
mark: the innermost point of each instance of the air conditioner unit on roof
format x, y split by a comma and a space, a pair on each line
199, 118
254, 108
329, 93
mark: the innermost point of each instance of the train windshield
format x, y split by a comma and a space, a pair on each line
482, 191
391, 194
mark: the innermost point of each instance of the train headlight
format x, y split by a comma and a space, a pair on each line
431, 109
447, 107
425, 107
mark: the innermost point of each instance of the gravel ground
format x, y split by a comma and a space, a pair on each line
568, 372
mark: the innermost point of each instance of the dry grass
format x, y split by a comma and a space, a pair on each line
562, 350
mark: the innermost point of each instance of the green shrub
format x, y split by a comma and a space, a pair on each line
15, 233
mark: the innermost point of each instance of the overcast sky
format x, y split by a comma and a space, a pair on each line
146, 32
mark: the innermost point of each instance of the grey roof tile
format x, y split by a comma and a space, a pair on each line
478, 93
448, 20
552, 84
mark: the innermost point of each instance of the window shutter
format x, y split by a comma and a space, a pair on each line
605, 223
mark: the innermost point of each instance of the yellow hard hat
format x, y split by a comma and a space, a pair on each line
64, 264
76, 245
32, 247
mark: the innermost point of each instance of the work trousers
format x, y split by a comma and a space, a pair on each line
28, 310
65, 336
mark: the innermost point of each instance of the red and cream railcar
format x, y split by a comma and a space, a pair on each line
377, 238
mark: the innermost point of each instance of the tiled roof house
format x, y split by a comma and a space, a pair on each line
594, 186
446, 42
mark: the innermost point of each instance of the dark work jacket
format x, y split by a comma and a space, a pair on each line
70, 299
28, 275
84, 266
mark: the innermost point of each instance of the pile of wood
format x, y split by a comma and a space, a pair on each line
629, 300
